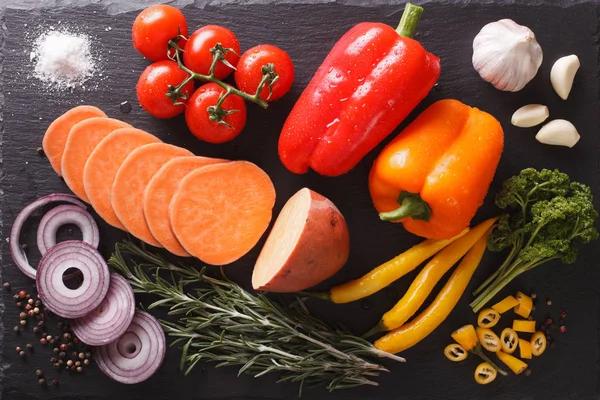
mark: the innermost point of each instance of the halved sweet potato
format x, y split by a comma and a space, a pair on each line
308, 244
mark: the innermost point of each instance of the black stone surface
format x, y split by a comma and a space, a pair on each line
307, 32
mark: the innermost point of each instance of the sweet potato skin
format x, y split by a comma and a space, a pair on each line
321, 250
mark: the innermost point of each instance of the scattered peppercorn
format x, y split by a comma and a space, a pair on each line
88, 354
54, 382
67, 336
69, 363
39, 372
563, 314
42, 381
6, 285
36, 329
77, 363
75, 340
74, 355
18, 349
81, 356
23, 322
56, 350
43, 341
56, 365
79, 369
30, 301
22, 315
563, 328
52, 341
527, 372
63, 347
22, 294
22, 354
28, 307
53, 360
29, 346
549, 302
62, 354
86, 361
38, 303
30, 313
533, 295
19, 304
549, 321
48, 337
28, 296
17, 329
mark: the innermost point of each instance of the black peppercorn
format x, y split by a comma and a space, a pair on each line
22, 354
19, 304
67, 336
29, 346
56, 365
56, 350
74, 355
53, 360
36, 329
28, 296
24, 246
6, 285
40, 324
18, 349
38, 303
22, 315
17, 329
39, 372
88, 354
75, 340
42, 381
62, 354
54, 382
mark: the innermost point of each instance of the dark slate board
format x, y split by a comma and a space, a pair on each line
307, 32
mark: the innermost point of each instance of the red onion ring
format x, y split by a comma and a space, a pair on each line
16, 252
137, 354
62, 215
56, 296
111, 319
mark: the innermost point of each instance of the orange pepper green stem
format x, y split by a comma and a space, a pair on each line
425, 282
386, 273
419, 328
434, 175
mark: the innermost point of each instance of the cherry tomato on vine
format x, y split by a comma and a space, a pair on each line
198, 120
154, 27
249, 71
153, 86
198, 57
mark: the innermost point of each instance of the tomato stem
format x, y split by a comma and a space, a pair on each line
218, 52
409, 21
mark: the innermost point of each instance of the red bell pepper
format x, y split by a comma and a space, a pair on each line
371, 80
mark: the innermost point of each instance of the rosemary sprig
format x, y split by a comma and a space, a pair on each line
219, 321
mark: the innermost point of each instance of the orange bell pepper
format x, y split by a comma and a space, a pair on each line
438, 170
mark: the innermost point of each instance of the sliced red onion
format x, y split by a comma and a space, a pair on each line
111, 319
63, 215
17, 253
137, 354
56, 296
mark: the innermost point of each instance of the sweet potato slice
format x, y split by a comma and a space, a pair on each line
58, 131
219, 212
158, 195
102, 166
82, 140
131, 180
308, 244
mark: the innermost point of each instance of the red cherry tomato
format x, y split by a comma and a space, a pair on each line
198, 120
153, 86
249, 71
197, 55
154, 27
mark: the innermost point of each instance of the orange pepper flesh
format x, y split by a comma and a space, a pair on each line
447, 156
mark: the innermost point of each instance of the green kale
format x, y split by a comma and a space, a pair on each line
546, 217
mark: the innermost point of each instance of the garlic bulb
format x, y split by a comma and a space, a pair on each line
506, 54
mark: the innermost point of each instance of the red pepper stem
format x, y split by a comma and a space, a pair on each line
411, 205
410, 20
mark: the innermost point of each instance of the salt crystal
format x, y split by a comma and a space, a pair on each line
62, 60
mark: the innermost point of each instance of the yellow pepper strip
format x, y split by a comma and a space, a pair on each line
525, 349
509, 340
488, 339
525, 305
485, 373
425, 282
488, 318
467, 338
421, 326
455, 352
506, 304
520, 325
517, 366
389, 272
538, 343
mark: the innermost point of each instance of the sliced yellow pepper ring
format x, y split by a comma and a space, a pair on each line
525, 349
525, 305
517, 366
538, 343
509, 340
488, 339
506, 304
485, 373
524, 326
455, 352
488, 318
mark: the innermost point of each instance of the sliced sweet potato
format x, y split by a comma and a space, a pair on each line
102, 166
58, 131
308, 244
158, 195
82, 140
131, 180
219, 212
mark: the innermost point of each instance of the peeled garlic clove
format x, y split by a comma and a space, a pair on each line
530, 115
506, 54
563, 73
559, 132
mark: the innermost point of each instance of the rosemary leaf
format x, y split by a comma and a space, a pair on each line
218, 321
